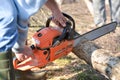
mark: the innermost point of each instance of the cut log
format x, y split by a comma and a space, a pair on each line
101, 60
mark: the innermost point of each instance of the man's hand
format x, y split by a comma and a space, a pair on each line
58, 17
24, 54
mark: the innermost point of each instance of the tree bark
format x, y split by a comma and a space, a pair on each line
102, 60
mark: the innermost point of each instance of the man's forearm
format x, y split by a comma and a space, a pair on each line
53, 6
58, 17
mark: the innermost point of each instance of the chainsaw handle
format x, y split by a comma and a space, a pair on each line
15, 62
27, 64
67, 16
65, 31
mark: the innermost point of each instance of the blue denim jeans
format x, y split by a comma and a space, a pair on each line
100, 11
14, 16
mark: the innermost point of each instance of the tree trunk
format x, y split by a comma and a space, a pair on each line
102, 60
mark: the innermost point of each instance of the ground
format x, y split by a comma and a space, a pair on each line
71, 67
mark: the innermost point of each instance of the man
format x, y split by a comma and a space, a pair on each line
14, 17
100, 11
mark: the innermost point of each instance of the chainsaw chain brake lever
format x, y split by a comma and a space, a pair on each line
64, 34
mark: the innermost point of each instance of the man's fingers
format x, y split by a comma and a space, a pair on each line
60, 22
56, 22
21, 58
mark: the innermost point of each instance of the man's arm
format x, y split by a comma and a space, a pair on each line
58, 17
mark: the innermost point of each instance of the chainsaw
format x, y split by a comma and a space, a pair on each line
51, 43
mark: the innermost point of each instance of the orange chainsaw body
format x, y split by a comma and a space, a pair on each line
43, 49
50, 43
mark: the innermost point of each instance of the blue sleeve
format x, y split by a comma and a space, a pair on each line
8, 29
26, 8
22, 37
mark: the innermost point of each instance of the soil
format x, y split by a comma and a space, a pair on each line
84, 22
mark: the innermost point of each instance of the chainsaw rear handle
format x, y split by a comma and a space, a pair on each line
67, 16
15, 62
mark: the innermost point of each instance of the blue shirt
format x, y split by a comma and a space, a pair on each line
14, 16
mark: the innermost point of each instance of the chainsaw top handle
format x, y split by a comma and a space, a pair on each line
70, 19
